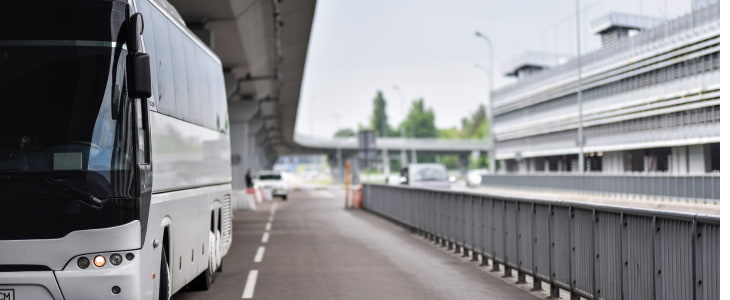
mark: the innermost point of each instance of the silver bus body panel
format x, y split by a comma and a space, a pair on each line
33, 285
56, 253
193, 156
188, 212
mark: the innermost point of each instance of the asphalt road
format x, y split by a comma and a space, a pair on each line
316, 249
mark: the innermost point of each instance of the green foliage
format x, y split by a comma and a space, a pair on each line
450, 161
474, 127
379, 119
420, 121
480, 163
450, 133
345, 132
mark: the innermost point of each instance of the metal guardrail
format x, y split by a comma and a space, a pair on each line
690, 187
592, 251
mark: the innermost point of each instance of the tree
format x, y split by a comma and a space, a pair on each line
420, 122
345, 132
475, 127
379, 119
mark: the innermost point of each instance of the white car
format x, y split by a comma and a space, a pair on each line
272, 180
474, 177
425, 175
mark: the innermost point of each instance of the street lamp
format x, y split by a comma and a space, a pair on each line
492, 143
403, 156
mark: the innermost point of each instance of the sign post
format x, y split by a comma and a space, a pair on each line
348, 178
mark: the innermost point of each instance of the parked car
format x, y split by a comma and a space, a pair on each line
272, 181
425, 175
474, 177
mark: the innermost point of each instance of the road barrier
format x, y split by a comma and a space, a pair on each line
703, 188
592, 251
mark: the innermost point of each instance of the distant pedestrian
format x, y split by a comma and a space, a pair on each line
249, 179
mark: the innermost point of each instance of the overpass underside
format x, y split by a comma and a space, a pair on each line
262, 45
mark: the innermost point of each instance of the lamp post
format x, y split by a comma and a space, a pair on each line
403, 156
492, 143
579, 93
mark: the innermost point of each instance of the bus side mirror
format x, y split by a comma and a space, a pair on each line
135, 28
139, 82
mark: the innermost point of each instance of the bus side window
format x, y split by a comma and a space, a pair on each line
142, 142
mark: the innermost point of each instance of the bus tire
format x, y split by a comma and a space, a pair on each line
165, 285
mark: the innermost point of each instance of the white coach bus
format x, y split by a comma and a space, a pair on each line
115, 175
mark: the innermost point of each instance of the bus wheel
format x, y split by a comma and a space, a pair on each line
165, 286
218, 256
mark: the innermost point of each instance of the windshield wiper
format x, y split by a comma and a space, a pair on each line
86, 197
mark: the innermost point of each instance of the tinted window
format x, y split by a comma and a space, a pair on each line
193, 114
270, 177
178, 67
163, 61
207, 108
149, 38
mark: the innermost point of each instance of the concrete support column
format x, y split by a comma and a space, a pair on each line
244, 127
386, 163
698, 158
414, 158
464, 164
679, 160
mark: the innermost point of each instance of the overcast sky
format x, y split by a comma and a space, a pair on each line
428, 49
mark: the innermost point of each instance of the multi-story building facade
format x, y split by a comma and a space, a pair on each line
650, 101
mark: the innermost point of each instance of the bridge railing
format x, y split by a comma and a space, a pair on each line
685, 187
592, 251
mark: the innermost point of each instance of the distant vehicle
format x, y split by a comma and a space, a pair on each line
474, 177
272, 180
425, 175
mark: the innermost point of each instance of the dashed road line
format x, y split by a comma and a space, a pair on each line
265, 238
250, 284
259, 254
268, 226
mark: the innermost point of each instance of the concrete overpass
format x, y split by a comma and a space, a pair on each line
262, 45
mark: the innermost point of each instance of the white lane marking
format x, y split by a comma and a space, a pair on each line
265, 238
250, 284
273, 209
268, 226
259, 254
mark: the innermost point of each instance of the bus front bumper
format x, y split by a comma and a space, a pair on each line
107, 282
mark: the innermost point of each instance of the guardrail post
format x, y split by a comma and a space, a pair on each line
697, 261
495, 264
573, 254
505, 217
554, 290
482, 228
657, 269
536, 282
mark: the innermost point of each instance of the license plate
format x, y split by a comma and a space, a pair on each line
7, 294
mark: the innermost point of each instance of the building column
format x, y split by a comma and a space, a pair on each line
244, 126
386, 163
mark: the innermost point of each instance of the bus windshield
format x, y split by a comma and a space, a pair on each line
65, 144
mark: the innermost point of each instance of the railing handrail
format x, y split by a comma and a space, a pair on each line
595, 251
568, 203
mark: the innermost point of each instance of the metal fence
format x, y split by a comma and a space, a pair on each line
692, 187
592, 251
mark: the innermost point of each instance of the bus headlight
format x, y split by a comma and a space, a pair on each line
83, 262
115, 259
99, 261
